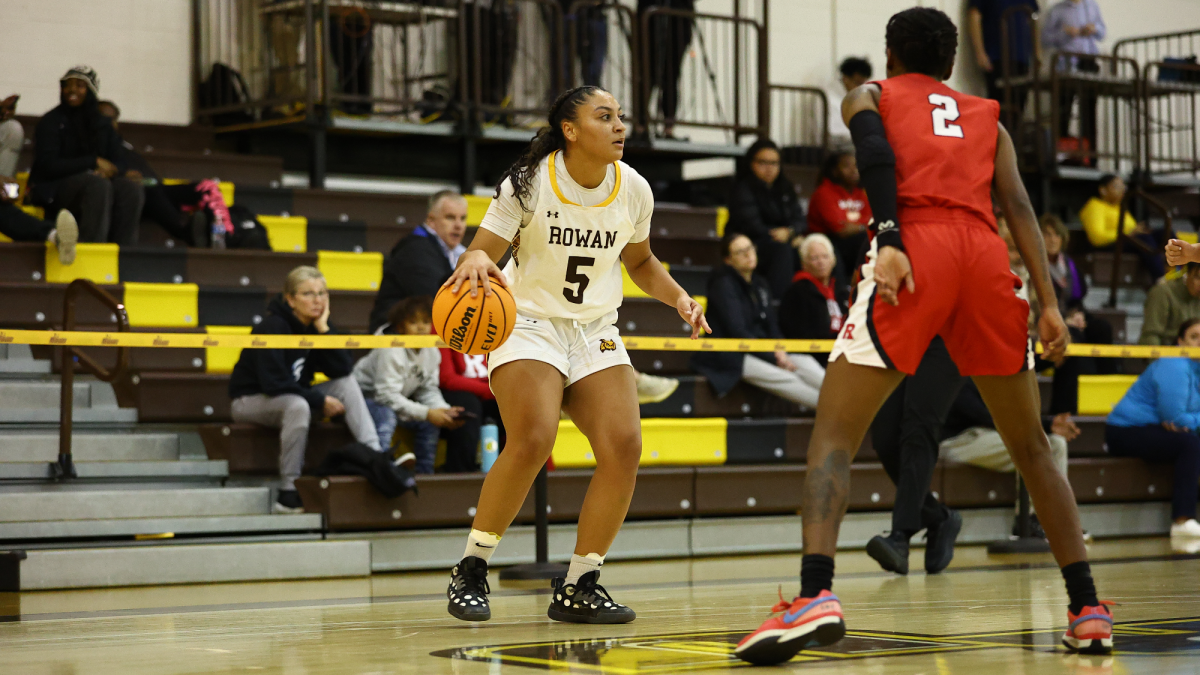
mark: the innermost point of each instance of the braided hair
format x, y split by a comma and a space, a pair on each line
924, 39
547, 140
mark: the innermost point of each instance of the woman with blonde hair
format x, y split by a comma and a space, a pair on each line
274, 387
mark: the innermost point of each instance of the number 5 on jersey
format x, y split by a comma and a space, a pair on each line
946, 111
574, 276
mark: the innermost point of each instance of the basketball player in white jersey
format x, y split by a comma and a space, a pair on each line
573, 212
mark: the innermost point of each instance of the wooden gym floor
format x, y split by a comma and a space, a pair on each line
984, 615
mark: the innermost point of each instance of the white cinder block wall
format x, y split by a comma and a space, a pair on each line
141, 48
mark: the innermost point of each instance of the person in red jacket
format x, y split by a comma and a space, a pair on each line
464, 382
839, 208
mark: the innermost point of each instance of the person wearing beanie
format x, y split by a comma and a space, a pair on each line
79, 165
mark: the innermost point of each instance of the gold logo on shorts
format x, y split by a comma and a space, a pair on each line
607, 346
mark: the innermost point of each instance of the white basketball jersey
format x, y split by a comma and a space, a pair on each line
567, 260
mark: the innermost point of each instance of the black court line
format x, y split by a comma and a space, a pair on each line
425, 597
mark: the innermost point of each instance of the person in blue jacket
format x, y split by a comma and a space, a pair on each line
1158, 420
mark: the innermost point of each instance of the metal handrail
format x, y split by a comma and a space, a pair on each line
635, 106
65, 466
1127, 42
762, 107
822, 119
1122, 238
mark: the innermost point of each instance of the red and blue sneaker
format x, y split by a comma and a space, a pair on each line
803, 623
1090, 631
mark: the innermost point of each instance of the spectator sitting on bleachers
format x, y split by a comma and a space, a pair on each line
764, 207
1158, 420
12, 136
274, 387
1099, 217
1168, 305
79, 165
165, 204
839, 209
1072, 287
739, 306
464, 382
422, 261
814, 307
20, 226
400, 386
970, 437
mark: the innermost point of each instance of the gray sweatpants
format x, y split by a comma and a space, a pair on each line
292, 416
982, 447
802, 386
12, 137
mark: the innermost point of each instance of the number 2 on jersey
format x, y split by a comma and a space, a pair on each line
574, 276
945, 112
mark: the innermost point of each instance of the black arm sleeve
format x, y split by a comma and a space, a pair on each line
877, 168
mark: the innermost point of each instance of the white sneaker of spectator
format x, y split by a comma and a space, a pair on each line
1188, 528
654, 389
64, 236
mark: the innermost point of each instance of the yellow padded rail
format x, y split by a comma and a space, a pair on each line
96, 262
1099, 393
722, 220
219, 360
287, 234
665, 442
162, 305
351, 271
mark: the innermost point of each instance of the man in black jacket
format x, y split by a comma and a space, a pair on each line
422, 261
79, 165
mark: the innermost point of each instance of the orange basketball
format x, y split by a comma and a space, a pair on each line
474, 325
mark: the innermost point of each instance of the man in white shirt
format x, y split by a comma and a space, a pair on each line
854, 71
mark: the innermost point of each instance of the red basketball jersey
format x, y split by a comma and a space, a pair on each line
945, 145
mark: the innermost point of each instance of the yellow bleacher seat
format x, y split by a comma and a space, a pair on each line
1099, 393
687, 442
225, 187
97, 262
702, 300
477, 206
630, 289
351, 271
288, 234
219, 360
722, 220
162, 305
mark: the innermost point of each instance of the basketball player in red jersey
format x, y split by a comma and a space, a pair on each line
929, 158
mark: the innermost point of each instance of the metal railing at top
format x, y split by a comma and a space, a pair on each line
515, 55
602, 42
65, 466
703, 70
1151, 48
800, 123
1172, 144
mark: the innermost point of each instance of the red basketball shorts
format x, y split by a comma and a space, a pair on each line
965, 292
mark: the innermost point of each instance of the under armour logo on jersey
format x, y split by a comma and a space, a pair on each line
886, 226
607, 346
552, 214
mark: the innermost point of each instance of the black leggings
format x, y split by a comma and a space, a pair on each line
1157, 445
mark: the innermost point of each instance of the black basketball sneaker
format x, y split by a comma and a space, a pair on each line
468, 590
586, 602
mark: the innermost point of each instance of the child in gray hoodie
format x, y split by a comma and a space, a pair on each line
401, 384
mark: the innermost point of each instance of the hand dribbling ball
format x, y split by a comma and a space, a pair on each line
475, 325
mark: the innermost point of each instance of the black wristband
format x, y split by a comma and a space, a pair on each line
889, 235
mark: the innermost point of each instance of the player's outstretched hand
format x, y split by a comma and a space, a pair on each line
1052, 331
892, 268
693, 313
476, 269
1180, 252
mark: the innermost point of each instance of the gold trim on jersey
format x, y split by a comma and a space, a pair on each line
561, 198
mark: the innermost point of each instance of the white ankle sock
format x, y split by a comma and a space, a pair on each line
582, 564
481, 545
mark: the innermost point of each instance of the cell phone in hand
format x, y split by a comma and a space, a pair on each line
12, 190
465, 415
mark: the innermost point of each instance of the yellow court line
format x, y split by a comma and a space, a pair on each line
201, 340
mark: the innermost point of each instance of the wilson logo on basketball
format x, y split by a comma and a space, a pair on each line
608, 346
460, 332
